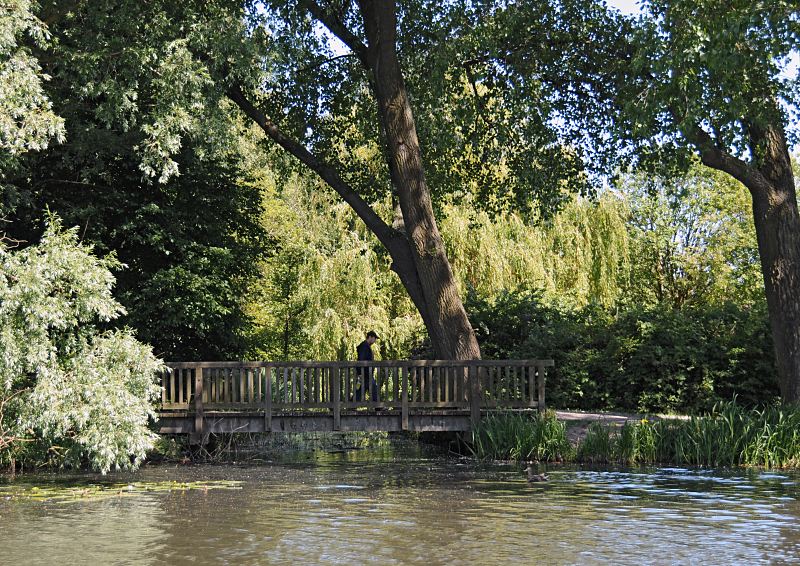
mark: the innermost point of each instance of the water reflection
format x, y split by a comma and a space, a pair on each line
403, 505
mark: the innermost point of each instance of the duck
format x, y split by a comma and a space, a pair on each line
533, 478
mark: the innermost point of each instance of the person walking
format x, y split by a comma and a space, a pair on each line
366, 381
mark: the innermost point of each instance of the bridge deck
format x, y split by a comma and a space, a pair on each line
201, 398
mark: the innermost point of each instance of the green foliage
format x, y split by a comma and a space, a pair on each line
705, 63
518, 436
191, 243
328, 284
641, 358
70, 393
579, 256
729, 435
27, 121
597, 447
693, 240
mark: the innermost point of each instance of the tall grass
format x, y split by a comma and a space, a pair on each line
729, 436
516, 436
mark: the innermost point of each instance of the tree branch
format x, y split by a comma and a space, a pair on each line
328, 174
319, 64
717, 158
338, 29
393, 240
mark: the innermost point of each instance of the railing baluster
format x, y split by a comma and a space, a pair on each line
302, 375
428, 384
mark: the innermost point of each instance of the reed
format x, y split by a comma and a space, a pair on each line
730, 435
516, 436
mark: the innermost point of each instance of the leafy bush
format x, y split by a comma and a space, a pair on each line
70, 394
646, 359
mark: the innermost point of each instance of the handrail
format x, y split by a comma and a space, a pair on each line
376, 363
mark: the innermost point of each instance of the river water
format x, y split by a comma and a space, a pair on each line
407, 505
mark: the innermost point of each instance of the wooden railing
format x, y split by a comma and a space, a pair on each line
406, 386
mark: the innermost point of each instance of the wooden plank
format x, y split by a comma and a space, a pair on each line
316, 385
531, 397
336, 399
405, 384
475, 395
301, 378
429, 382
268, 399
198, 404
285, 385
540, 383
164, 377
384, 363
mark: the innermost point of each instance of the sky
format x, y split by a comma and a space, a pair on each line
625, 6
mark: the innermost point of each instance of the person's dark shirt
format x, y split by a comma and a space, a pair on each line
364, 352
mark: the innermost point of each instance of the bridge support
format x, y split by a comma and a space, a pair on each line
199, 417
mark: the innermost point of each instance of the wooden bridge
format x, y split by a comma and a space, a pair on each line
201, 398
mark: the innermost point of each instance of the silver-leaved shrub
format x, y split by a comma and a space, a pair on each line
70, 393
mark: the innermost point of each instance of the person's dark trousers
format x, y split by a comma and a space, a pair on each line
371, 385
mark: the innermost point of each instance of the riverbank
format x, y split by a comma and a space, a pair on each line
728, 436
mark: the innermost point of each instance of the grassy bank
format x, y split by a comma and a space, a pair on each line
730, 435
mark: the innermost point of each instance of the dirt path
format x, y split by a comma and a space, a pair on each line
578, 421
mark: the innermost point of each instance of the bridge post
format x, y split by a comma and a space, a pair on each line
540, 383
475, 373
337, 397
199, 420
404, 409
268, 398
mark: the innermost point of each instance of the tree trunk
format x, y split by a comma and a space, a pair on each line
451, 334
777, 222
778, 230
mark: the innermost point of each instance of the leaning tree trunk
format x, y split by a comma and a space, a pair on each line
416, 247
449, 328
777, 223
